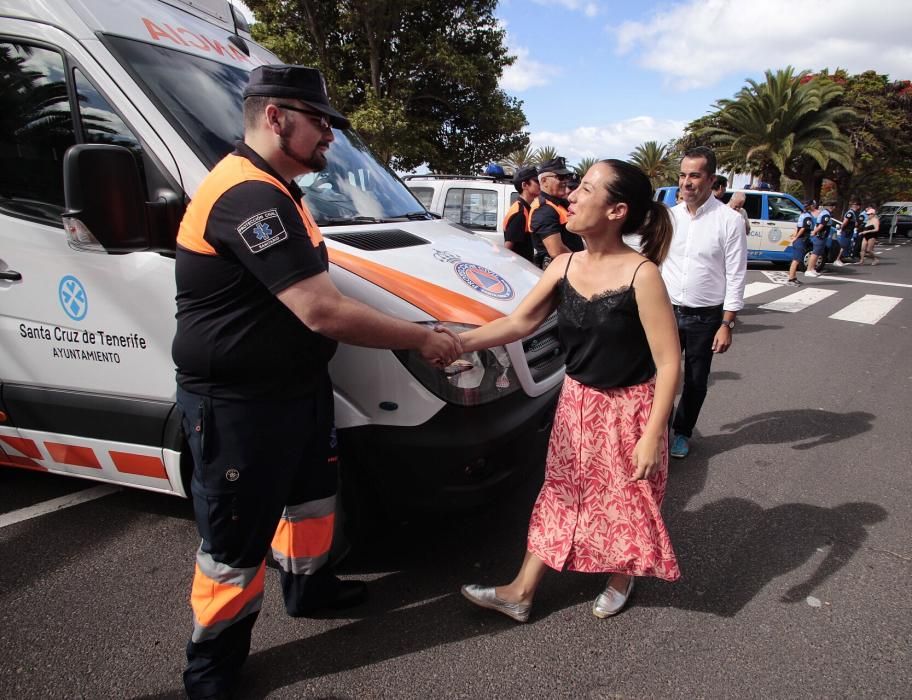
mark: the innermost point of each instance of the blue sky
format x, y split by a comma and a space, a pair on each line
599, 77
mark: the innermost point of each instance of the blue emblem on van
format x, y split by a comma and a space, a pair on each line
483, 280
73, 298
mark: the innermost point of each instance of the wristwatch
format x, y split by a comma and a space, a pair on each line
730, 324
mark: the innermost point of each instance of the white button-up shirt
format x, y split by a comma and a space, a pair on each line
707, 261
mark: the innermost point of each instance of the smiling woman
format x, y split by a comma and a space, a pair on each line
598, 510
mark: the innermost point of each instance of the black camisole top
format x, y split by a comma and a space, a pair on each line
604, 339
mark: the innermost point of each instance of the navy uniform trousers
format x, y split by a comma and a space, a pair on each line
265, 476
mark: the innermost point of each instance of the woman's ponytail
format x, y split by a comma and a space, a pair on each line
655, 233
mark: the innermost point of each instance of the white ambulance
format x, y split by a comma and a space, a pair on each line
112, 113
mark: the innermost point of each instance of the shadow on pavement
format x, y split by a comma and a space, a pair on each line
729, 550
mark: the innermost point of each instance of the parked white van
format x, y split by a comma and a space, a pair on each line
478, 202
113, 112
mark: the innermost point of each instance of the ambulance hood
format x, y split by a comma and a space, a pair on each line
450, 274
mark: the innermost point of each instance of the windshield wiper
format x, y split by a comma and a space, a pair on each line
416, 216
341, 220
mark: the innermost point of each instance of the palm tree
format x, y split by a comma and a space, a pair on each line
583, 166
545, 153
771, 126
654, 159
521, 157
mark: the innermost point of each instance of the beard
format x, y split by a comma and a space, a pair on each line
315, 161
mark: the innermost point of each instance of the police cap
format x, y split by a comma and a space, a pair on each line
526, 172
558, 166
297, 83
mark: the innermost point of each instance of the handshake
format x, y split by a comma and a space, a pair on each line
441, 347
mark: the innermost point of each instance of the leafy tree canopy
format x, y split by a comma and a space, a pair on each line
417, 78
776, 126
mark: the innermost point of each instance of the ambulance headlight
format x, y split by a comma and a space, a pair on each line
475, 378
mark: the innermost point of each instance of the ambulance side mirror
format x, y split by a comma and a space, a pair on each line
106, 207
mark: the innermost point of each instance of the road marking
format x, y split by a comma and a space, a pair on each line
833, 278
869, 309
754, 288
798, 301
55, 504
777, 276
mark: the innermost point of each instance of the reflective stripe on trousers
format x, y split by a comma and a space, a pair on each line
304, 536
222, 595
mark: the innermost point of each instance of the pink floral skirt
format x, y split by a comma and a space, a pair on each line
588, 517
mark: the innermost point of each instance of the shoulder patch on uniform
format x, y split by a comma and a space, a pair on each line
263, 230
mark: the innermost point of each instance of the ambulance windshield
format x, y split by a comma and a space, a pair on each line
203, 100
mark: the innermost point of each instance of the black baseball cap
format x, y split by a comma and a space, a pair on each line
558, 166
297, 83
526, 172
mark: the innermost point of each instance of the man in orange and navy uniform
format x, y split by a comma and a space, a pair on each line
550, 236
258, 320
517, 224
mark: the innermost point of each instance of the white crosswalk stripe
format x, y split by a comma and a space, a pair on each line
869, 309
752, 289
798, 301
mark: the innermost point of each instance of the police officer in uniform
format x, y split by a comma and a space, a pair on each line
800, 242
818, 239
550, 236
258, 320
517, 224
847, 232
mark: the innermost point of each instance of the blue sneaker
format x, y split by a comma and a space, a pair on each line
680, 446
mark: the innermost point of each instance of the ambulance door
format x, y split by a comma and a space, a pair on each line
782, 214
85, 338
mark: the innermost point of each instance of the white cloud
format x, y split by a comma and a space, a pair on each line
526, 72
590, 8
695, 43
613, 140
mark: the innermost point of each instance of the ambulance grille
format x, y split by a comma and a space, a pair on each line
544, 355
377, 240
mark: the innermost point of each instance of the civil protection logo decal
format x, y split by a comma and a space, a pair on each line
483, 280
73, 298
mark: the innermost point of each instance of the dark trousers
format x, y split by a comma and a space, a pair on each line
265, 476
696, 331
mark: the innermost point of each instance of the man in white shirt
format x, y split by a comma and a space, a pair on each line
704, 273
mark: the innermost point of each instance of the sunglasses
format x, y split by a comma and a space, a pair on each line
320, 120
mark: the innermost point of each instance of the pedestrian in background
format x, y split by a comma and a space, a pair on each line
550, 236
799, 243
818, 238
847, 231
705, 274
258, 320
737, 203
598, 510
871, 229
720, 184
517, 224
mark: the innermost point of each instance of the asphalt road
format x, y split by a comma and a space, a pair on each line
791, 520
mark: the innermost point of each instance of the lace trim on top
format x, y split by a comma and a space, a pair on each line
577, 307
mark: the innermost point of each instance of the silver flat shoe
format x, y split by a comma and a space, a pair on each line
611, 602
485, 597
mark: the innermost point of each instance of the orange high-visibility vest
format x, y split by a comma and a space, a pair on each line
515, 209
230, 171
561, 211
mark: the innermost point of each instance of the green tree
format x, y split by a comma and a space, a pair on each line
417, 78
880, 134
521, 157
655, 160
788, 124
545, 153
583, 166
